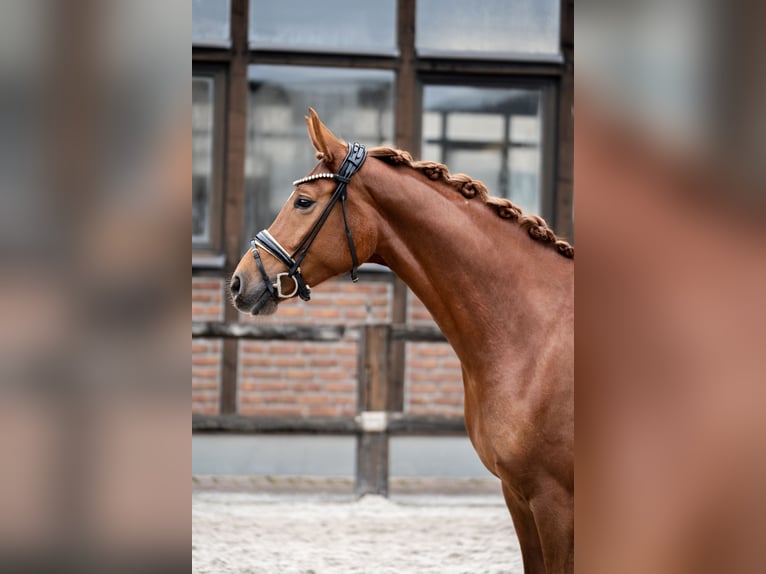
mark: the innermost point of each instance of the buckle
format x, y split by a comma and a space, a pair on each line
278, 285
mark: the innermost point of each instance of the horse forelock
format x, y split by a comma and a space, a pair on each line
470, 188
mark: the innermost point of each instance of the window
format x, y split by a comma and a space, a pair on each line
478, 88
202, 157
357, 104
488, 27
210, 22
492, 134
330, 25
206, 160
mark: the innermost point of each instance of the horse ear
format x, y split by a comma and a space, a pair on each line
323, 139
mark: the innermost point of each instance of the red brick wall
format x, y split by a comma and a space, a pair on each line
298, 378
304, 378
336, 302
206, 375
207, 305
433, 382
319, 379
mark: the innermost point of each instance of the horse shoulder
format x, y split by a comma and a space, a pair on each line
520, 419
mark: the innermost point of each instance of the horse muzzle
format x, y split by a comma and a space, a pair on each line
251, 297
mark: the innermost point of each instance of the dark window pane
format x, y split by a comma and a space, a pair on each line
202, 157
210, 22
493, 135
331, 25
488, 26
356, 104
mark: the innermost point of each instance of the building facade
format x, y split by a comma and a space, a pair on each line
484, 87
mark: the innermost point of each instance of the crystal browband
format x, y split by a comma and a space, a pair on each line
316, 176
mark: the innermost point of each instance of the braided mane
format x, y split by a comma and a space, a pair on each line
469, 188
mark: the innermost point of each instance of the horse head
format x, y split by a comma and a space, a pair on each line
323, 230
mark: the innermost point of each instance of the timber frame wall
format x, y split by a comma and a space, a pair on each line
380, 400
380, 384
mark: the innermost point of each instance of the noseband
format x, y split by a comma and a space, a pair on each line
351, 164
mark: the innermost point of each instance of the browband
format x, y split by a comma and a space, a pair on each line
314, 177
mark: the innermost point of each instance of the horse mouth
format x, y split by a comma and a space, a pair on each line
264, 305
258, 303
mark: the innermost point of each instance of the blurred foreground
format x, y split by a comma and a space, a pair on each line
671, 137
94, 225
94, 295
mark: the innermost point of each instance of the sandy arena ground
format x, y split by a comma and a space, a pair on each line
256, 530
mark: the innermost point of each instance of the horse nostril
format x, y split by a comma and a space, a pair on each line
236, 285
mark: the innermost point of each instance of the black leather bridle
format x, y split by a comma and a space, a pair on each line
263, 239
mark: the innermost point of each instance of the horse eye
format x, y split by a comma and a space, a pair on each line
303, 203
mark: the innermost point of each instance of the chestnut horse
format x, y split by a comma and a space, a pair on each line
498, 283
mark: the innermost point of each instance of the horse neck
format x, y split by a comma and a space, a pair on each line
479, 276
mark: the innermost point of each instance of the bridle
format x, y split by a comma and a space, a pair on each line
263, 239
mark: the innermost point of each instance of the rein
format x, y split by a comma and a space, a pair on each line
263, 239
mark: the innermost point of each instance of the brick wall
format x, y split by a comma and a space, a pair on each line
319, 379
207, 305
336, 302
433, 383
298, 378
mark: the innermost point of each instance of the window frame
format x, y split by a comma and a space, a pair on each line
255, 45
259, 216
413, 69
215, 43
556, 57
549, 96
206, 253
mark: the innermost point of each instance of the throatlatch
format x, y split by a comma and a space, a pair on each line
263, 239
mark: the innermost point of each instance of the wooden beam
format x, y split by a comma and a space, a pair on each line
408, 136
371, 464
205, 54
233, 214
375, 389
376, 396
436, 425
394, 424
564, 208
212, 329
314, 59
235, 330
408, 120
495, 68
266, 424
417, 333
